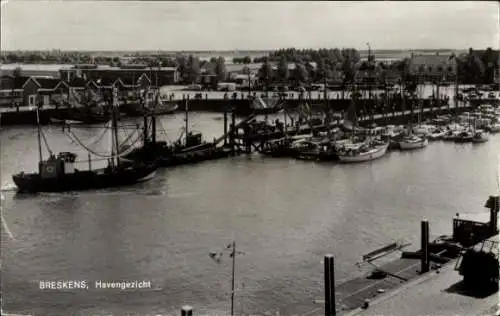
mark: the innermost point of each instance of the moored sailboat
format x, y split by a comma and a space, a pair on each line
480, 136
412, 142
361, 153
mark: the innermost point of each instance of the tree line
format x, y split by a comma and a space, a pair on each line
309, 65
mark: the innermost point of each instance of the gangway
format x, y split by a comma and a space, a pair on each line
380, 253
249, 119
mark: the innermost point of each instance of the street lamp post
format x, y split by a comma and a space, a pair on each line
233, 253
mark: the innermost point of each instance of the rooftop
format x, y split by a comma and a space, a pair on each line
481, 217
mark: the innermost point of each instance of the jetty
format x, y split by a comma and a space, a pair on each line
423, 282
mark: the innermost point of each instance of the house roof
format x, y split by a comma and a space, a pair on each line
77, 83
47, 83
143, 76
18, 81
104, 82
43, 83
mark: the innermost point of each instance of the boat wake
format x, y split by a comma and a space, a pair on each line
9, 187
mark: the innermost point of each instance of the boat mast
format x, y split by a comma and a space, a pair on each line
370, 82
144, 108
153, 112
456, 84
40, 158
186, 120
115, 125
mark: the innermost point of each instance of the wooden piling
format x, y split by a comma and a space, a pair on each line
425, 246
186, 310
493, 204
330, 309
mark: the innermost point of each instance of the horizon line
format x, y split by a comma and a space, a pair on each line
237, 50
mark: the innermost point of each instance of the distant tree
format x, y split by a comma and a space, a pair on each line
17, 72
247, 60
182, 66
266, 74
320, 70
194, 70
490, 60
220, 69
300, 73
283, 72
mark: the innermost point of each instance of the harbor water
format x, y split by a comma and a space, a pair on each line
284, 214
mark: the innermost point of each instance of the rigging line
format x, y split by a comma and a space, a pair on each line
76, 140
124, 153
105, 128
46, 142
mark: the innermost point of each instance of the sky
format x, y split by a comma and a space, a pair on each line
218, 25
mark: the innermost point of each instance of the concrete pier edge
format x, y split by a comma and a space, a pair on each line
385, 296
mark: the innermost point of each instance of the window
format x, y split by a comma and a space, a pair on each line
31, 100
429, 68
450, 69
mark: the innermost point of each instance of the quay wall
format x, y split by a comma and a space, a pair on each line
243, 106
24, 116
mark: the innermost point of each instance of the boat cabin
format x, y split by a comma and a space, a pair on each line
193, 139
54, 166
469, 229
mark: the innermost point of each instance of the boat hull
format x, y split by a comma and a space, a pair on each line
413, 145
194, 156
372, 155
163, 156
84, 180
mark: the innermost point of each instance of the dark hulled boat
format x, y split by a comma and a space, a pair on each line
58, 174
81, 115
192, 150
165, 155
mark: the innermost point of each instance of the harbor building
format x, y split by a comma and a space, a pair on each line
129, 73
431, 68
32, 70
11, 90
39, 91
18, 91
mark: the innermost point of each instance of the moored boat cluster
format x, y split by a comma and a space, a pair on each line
350, 145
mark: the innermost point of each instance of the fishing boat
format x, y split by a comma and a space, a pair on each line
278, 147
412, 142
480, 136
362, 153
154, 103
493, 127
83, 115
59, 174
436, 134
464, 137
451, 134
188, 149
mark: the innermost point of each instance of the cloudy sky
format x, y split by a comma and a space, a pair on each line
140, 25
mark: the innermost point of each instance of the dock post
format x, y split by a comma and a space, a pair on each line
186, 310
225, 127
330, 309
493, 204
425, 246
